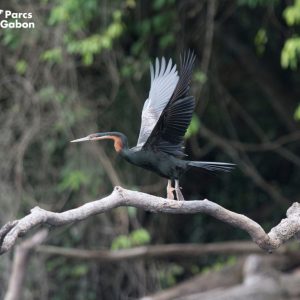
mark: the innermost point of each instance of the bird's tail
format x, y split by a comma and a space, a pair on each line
212, 166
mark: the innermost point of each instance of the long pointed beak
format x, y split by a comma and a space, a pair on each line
87, 138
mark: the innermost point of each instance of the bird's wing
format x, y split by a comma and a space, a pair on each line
168, 133
164, 79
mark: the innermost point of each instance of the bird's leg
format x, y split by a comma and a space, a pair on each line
170, 190
178, 191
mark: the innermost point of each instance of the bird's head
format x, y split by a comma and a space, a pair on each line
120, 140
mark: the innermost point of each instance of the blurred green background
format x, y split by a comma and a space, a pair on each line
85, 68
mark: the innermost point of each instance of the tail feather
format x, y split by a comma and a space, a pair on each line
212, 166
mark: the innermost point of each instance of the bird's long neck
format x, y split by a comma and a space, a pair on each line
120, 140
120, 144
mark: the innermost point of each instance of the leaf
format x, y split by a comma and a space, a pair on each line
11, 38
135, 238
48, 94
158, 4
200, 77
292, 14
52, 55
131, 211
140, 237
73, 180
297, 113
131, 3
260, 41
80, 270
166, 40
21, 66
193, 128
290, 53
121, 242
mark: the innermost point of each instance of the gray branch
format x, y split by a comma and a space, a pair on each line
20, 264
279, 234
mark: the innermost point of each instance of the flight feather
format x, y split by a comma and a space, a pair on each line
164, 79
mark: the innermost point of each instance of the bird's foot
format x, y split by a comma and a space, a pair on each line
179, 195
170, 194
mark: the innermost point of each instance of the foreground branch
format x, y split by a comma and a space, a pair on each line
285, 230
20, 263
253, 277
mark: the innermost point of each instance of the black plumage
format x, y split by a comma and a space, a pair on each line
166, 116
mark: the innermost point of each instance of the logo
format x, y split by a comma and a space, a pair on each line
16, 20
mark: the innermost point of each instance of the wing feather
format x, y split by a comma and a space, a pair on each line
164, 79
168, 133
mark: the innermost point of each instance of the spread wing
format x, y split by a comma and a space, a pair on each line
168, 133
164, 79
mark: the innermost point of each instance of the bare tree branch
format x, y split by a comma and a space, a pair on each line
165, 251
285, 230
20, 262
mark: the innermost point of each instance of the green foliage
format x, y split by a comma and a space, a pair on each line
140, 237
80, 270
194, 127
291, 49
158, 26
73, 180
200, 77
297, 113
159, 4
49, 93
292, 14
260, 41
121, 242
168, 276
127, 70
95, 43
77, 270
131, 211
76, 14
290, 53
195, 269
220, 264
131, 3
135, 238
68, 274
52, 55
166, 40
21, 66
11, 38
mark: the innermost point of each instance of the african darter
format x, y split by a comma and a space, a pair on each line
166, 116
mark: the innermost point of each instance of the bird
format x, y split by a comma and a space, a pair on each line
166, 115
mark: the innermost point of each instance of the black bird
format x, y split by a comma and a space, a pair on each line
166, 116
